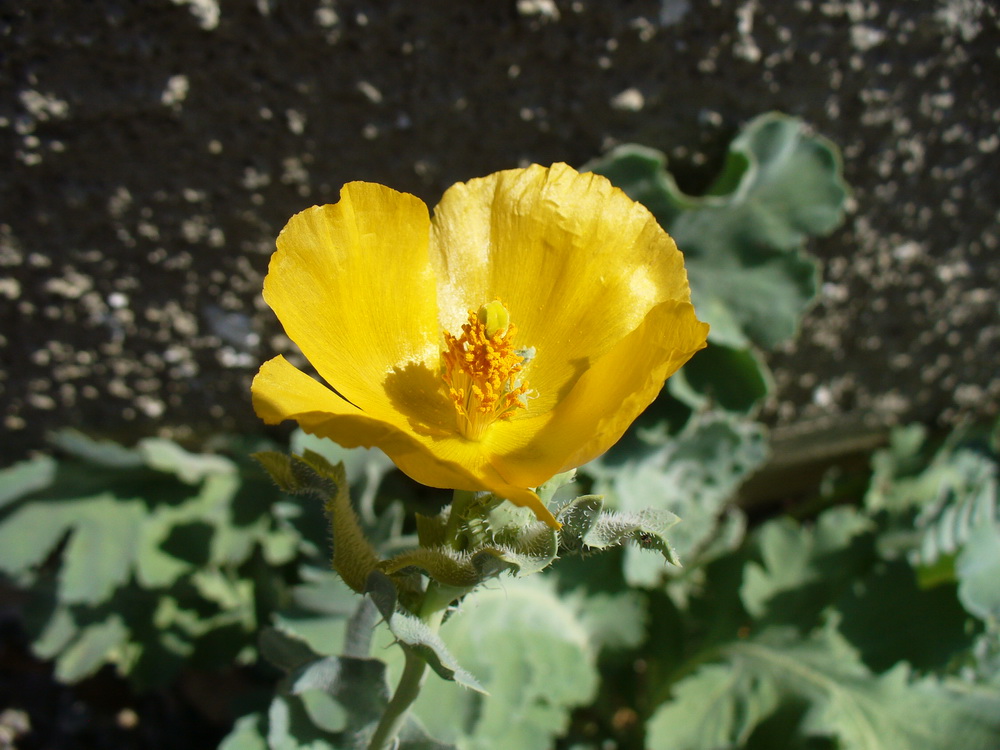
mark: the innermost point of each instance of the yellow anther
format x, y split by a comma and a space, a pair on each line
481, 370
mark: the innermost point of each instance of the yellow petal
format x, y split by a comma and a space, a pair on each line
607, 398
576, 262
352, 285
281, 391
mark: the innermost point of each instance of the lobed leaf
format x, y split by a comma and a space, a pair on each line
587, 527
25, 478
742, 240
156, 534
89, 648
538, 665
31, 531
936, 502
978, 572
415, 635
692, 475
722, 704
723, 377
102, 550
191, 468
103, 453
803, 569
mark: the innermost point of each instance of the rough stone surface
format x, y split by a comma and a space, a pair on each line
153, 150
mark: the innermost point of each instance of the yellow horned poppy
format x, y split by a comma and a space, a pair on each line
513, 336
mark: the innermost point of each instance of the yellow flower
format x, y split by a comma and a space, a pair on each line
513, 336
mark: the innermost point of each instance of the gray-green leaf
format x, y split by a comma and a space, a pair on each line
742, 240
720, 705
415, 635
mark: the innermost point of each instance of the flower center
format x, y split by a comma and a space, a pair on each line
480, 369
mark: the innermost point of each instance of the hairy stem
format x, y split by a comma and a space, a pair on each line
399, 705
436, 601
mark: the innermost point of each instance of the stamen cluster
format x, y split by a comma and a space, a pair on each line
481, 374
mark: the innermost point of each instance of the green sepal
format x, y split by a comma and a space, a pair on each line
480, 536
450, 568
521, 551
415, 635
547, 491
464, 520
432, 530
586, 526
533, 547
311, 474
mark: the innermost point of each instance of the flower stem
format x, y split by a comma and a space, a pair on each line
399, 705
460, 504
435, 603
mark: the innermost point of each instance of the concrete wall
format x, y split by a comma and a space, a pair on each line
153, 149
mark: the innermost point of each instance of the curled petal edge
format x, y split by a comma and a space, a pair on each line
281, 391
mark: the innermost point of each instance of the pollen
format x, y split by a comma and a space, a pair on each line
482, 370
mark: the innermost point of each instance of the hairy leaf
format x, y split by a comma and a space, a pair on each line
935, 503
24, 478
978, 571
721, 704
538, 665
587, 527
691, 475
325, 701
190, 468
415, 635
742, 240
723, 377
804, 569
450, 568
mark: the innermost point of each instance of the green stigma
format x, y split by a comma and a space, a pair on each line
494, 317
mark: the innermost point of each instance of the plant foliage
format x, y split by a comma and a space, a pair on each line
872, 624
145, 558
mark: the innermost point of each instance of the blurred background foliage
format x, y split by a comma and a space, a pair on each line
865, 614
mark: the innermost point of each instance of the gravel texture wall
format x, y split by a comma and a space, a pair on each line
153, 149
